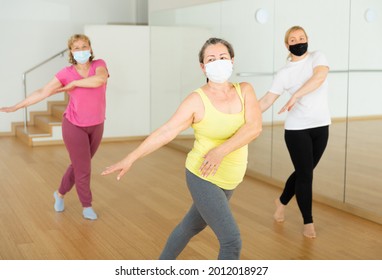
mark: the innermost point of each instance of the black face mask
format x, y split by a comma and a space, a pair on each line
298, 49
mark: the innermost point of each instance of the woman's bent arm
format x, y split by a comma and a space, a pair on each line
245, 134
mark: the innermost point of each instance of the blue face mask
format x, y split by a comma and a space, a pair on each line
82, 56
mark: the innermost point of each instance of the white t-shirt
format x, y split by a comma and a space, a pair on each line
311, 110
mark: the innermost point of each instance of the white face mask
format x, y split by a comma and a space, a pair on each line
82, 56
219, 71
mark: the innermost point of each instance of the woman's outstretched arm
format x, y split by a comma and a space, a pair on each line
181, 120
36, 96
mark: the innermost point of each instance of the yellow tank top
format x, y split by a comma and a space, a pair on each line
215, 128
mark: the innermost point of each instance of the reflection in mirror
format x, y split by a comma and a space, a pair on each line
349, 174
364, 152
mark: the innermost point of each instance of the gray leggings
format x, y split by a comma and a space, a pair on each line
211, 208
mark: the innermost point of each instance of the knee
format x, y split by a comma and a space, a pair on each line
304, 176
83, 175
234, 243
237, 243
191, 229
230, 249
194, 230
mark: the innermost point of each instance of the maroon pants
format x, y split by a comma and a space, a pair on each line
81, 143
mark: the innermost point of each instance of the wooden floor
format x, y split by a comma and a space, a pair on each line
348, 176
137, 214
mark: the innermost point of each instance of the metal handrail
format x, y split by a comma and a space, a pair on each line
61, 53
256, 74
357, 71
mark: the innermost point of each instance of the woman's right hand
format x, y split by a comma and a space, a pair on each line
66, 88
8, 109
288, 106
211, 162
123, 166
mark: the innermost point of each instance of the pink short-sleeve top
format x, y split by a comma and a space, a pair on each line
87, 106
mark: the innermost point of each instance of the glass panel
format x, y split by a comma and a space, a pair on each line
364, 170
253, 64
329, 174
176, 38
333, 27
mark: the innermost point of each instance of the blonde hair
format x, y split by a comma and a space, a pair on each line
74, 38
289, 31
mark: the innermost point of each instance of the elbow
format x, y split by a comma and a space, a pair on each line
44, 93
255, 131
263, 105
320, 79
102, 81
166, 135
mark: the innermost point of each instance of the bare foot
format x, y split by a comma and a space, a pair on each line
309, 231
279, 213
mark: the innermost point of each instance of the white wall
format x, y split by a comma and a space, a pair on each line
126, 51
160, 5
175, 69
260, 47
338, 29
140, 99
33, 30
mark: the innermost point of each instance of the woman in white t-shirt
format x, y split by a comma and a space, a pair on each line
304, 77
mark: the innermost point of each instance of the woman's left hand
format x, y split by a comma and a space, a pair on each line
289, 105
66, 88
122, 167
211, 163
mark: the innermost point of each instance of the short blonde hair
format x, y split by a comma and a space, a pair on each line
293, 29
289, 31
74, 38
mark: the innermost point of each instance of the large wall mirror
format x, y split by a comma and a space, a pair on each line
349, 175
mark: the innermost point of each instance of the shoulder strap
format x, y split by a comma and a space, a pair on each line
204, 97
238, 90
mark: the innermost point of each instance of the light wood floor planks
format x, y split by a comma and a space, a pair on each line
137, 214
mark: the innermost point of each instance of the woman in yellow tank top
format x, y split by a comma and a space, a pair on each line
225, 117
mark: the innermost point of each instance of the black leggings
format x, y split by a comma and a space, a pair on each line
305, 149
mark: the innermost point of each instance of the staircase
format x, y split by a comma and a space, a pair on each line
44, 128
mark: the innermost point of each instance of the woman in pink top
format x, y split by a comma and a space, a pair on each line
82, 125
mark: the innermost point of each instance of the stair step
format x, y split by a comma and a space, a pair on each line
44, 122
31, 131
44, 127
